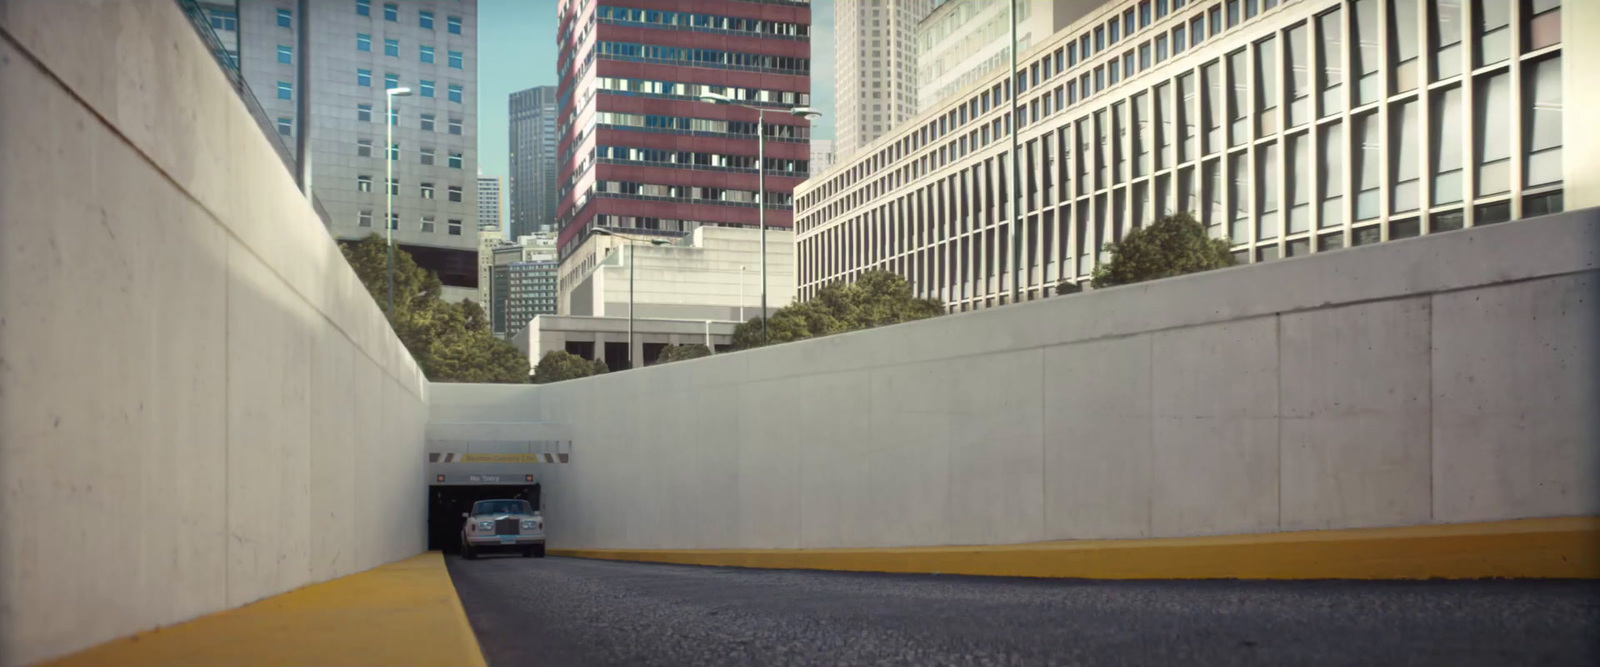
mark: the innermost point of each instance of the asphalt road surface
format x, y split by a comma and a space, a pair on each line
560, 611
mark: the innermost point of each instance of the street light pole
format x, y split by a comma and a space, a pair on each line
761, 197
632, 258
1016, 173
388, 183
741, 294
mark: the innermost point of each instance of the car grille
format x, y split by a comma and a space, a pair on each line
507, 527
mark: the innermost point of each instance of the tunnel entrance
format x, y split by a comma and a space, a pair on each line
446, 503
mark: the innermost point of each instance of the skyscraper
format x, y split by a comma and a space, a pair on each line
533, 160
360, 49
642, 152
875, 68
488, 203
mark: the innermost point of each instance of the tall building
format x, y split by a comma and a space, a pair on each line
822, 155
488, 203
875, 68
533, 160
488, 241
359, 49
531, 292
642, 152
1287, 128
962, 41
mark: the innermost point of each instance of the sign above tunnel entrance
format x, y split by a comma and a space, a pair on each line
487, 457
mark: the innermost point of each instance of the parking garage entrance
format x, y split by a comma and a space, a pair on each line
446, 503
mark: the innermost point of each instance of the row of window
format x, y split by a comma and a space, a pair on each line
425, 190
702, 22
426, 155
693, 91
391, 48
694, 159
425, 87
427, 121
424, 223
614, 119
682, 55
391, 12
691, 192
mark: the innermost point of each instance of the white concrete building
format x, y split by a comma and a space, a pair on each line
1288, 128
606, 338
489, 202
962, 41
822, 155
711, 274
875, 68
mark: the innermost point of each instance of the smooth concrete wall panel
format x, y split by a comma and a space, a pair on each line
1336, 391
1356, 416
1215, 429
1097, 447
1516, 424
189, 373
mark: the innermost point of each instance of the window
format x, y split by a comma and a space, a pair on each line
455, 160
427, 223
1197, 30
1297, 181
364, 111
1331, 175
427, 122
455, 125
453, 24
425, 19
1446, 27
455, 93
1405, 157
1161, 8
455, 227
1295, 52
426, 155
1239, 97
426, 87
1328, 54
1267, 86
1492, 23
1216, 20
364, 148
391, 81
391, 11
426, 191
455, 193
394, 187
455, 60
363, 7
285, 54
394, 152
1544, 26
1541, 113
1144, 14
1403, 46
1445, 150
224, 20
1267, 191
1493, 134
394, 116
1114, 28
1239, 196
1366, 60
285, 126
1367, 169
394, 221
425, 53
391, 47
1161, 48
1233, 13
285, 90
364, 218
364, 183
285, 18
363, 42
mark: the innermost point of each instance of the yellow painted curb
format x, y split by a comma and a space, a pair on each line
1529, 548
404, 614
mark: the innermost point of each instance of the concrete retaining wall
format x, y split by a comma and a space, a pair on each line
200, 405
1445, 379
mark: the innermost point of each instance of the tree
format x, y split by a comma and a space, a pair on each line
1172, 246
673, 353
1066, 287
558, 365
876, 298
450, 341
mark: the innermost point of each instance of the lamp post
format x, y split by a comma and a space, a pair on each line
601, 231
761, 171
741, 294
1016, 167
388, 183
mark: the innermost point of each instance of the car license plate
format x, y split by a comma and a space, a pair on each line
507, 539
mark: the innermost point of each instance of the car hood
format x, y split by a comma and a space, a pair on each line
497, 517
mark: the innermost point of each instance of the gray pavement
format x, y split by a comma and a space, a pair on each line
560, 611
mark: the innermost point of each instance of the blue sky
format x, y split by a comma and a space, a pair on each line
517, 50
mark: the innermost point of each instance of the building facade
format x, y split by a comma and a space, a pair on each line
641, 152
532, 135
1288, 128
531, 292
359, 49
962, 41
504, 285
875, 68
488, 241
822, 154
712, 274
488, 203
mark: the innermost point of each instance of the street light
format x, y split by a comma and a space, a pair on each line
601, 231
761, 169
1016, 167
388, 183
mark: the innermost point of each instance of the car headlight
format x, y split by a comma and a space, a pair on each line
485, 525
529, 525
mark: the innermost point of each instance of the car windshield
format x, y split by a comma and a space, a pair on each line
500, 507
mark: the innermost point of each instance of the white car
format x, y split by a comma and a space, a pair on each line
502, 525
